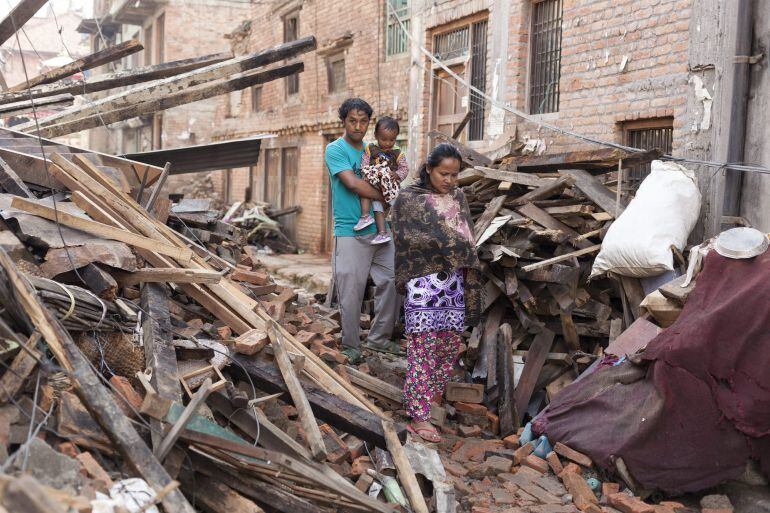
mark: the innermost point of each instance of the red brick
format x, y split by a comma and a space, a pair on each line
571, 454
522, 452
360, 465
469, 431
511, 442
554, 462
536, 463
126, 393
609, 489
473, 409
627, 504
582, 495
225, 333
251, 342
572, 467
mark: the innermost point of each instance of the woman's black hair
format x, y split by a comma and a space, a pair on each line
439, 153
386, 123
354, 104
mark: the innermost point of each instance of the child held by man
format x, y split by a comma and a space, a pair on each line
384, 166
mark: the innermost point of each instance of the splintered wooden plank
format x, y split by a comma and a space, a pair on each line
545, 191
163, 102
298, 397
536, 357
602, 160
493, 207
561, 258
98, 400
546, 220
18, 16
404, 468
167, 275
528, 179
121, 78
217, 496
100, 229
595, 190
22, 366
11, 182
94, 60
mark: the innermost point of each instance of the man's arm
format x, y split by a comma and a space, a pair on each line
361, 187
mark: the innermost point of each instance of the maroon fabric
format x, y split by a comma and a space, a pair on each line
697, 405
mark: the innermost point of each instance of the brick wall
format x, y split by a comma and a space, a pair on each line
307, 119
595, 95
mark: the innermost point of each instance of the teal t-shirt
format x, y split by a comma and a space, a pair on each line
346, 205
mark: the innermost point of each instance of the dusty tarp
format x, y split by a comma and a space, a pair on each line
696, 405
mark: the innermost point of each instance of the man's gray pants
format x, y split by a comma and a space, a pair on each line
355, 258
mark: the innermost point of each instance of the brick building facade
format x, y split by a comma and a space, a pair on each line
616, 71
355, 57
169, 30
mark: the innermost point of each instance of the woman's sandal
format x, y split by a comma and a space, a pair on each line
428, 434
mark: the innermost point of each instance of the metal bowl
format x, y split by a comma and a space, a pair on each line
741, 243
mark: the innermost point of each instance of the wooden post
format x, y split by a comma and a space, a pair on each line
18, 16
306, 417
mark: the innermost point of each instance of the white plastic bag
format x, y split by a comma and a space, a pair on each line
664, 211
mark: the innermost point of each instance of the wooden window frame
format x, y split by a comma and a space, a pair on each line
160, 39
291, 82
256, 98
397, 45
332, 86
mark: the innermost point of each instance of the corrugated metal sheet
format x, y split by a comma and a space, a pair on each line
205, 157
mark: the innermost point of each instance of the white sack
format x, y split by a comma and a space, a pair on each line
664, 211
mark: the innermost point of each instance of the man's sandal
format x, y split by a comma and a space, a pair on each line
428, 434
353, 354
389, 348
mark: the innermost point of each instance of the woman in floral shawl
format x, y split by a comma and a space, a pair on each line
438, 270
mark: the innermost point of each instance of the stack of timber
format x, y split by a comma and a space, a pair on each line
539, 222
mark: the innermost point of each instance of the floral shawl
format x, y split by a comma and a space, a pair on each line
433, 233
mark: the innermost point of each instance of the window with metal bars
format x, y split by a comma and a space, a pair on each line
396, 41
646, 134
451, 45
291, 33
545, 61
478, 80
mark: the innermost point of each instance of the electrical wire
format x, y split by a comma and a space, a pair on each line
736, 166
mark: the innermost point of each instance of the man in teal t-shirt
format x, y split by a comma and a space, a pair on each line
355, 258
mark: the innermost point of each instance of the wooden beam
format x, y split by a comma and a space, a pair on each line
545, 191
18, 16
22, 366
181, 82
561, 258
528, 179
166, 275
11, 183
329, 408
118, 79
602, 160
97, 399
100, 229
375, 386
404, 468
546, 220
27, 106
506, 405
159, 353
536, 357
298, 397
595, 191
216, 496
163, 102
94, 60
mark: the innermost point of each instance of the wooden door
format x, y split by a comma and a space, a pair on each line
450, 100
273, 177
290, 167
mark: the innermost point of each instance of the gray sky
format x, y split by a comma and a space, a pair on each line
59, 5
